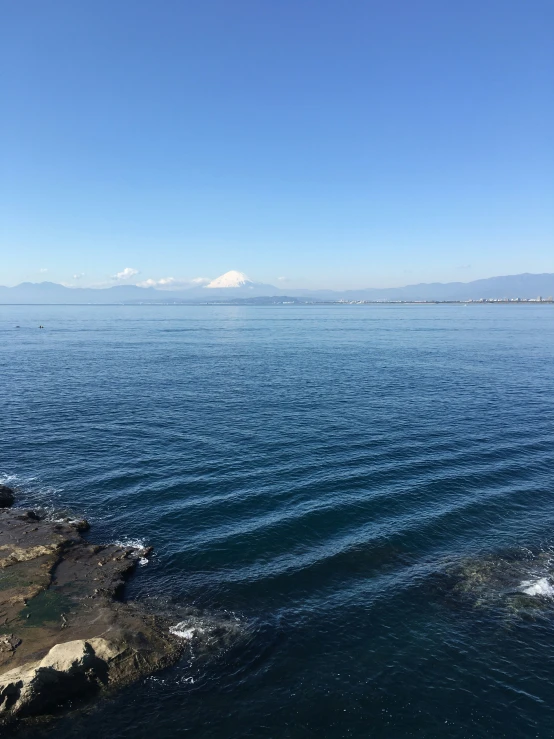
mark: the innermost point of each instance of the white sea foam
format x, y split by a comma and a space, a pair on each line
6, 479
137, 544
70, 521
133, 543
184, 631
32, 492
540, 587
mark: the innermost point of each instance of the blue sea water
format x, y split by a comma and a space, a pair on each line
368, 490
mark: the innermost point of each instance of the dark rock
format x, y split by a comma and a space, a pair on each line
65, 633
29, 516
7, 496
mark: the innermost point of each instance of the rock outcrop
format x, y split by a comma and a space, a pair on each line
69, 669
64, 633
7, 496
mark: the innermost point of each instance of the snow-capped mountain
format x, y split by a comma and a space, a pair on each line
231, 279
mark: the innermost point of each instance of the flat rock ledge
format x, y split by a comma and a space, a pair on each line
64, 634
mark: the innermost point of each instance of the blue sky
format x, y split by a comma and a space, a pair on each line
330, 144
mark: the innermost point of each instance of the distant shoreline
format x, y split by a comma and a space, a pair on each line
259, 302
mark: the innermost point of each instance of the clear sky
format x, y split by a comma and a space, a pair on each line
310, 143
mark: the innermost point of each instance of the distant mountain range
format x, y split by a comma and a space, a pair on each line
235, 285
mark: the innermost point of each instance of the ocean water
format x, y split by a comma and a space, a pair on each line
367, 490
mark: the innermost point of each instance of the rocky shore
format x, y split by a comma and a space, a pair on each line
65, 634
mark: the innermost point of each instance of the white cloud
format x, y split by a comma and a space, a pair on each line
283, 279
172, 283
126, 274
163, 282
78, 275
43, 269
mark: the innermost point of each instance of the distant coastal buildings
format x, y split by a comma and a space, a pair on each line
538, 299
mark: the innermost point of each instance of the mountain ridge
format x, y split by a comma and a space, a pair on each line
526, 285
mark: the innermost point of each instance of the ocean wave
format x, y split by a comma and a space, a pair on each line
540, 587
184, 631
33, 492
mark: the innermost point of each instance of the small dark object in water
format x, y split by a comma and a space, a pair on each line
41, 326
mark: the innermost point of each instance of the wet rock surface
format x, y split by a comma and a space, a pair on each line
64, 634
